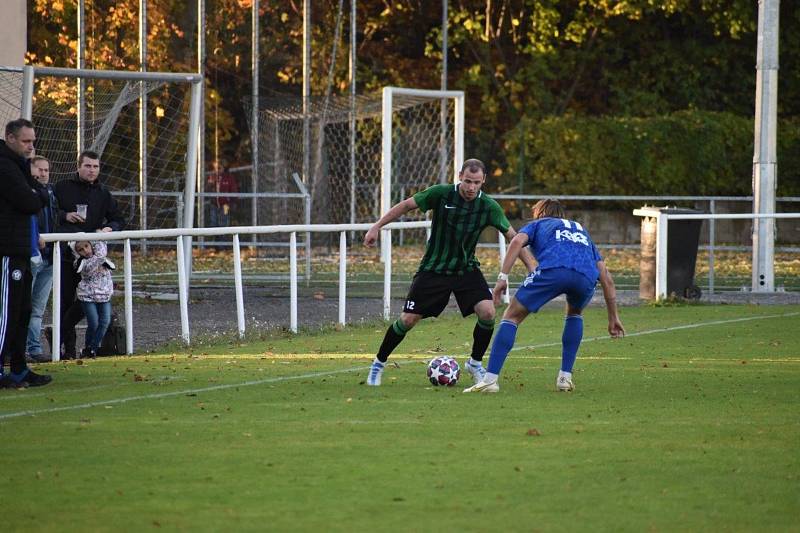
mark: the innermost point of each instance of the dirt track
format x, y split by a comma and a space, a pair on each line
213, 311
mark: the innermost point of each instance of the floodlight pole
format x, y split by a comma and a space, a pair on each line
201, 148
443, 119
254, 120
764, 152
81, 63
306, 88
143, 123
352, 114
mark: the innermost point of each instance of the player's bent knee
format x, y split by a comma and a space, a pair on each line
409, 320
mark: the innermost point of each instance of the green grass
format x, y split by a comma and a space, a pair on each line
673, 430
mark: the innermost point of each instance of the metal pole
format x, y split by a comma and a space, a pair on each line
501, 242
662, 225
191, 167
201, 149
27, 92
237, 280
342, 276
183, 295
353, 113
443, 117
712, 237
386, 248
128, 263
764, 153
293, 282
55, 349
386, 151
254, 120
306, 89
143, 123
81, 63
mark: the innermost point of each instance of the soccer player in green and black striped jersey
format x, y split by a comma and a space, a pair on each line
459, 213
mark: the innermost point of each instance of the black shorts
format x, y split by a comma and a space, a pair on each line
430, 293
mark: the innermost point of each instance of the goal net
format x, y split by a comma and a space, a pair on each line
355, 155
148, 185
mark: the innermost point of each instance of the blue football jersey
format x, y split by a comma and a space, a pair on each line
562, 243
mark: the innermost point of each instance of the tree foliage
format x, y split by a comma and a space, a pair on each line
525, 65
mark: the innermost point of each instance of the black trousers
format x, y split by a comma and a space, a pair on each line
71, 310
15, 310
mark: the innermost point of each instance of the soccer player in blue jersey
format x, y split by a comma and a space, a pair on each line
568, 264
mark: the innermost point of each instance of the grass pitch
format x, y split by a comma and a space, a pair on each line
689, 423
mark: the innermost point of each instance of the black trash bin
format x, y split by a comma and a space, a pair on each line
683, 238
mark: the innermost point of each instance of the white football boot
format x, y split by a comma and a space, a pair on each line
484, 386
375, 373
564, 382
476, 370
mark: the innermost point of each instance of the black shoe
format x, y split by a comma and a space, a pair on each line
38, 358
7, 383
32, 379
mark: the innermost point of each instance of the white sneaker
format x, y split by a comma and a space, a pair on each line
476, 371
375, 373
564, 384
484, 386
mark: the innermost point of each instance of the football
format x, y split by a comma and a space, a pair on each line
444, 371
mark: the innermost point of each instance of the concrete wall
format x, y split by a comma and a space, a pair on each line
619, 227
13, 45
14, 37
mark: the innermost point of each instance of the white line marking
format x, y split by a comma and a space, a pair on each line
177, 393
660, 330
116, 401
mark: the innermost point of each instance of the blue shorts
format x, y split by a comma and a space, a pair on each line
541, 286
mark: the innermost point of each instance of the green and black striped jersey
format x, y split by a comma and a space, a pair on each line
456, 227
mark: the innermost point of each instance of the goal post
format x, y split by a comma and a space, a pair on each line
360, 155
158, 195
448, 147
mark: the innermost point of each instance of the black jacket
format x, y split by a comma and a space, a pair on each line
48, 222
20, 197
102, 209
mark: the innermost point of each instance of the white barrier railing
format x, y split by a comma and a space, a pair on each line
183, 284
662, 222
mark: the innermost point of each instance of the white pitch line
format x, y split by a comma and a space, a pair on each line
116, 401
660, 330
176, 393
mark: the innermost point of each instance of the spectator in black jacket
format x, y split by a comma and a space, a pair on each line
42, 270
84, 204
20, 197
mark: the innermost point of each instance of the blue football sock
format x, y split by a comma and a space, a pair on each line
503, 342
571, 341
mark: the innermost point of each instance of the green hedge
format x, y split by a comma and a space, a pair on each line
685, 153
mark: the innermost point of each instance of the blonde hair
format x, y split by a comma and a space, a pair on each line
548, 208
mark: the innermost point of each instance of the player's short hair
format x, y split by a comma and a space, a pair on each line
548, 208
13, 127
39, 158
474, 165
87, 154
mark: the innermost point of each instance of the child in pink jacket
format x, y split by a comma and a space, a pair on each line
94, 290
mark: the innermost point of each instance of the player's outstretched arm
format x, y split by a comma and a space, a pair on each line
615, 327
514, 248
525, 255
391, 215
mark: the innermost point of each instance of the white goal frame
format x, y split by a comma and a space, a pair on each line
386, 123
30, 73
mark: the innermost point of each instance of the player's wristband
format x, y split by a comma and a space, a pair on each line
502, 277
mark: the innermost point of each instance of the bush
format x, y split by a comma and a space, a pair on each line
684, 153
